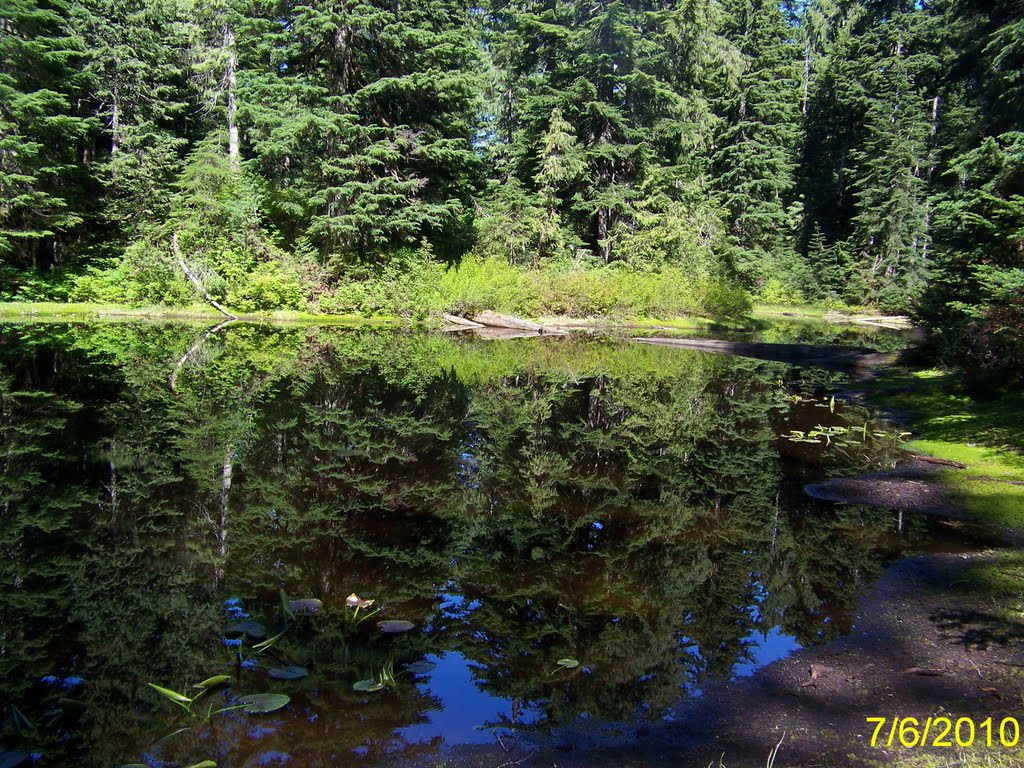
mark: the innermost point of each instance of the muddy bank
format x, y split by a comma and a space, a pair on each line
909, 487
926, 642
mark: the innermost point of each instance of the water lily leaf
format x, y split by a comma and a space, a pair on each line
251, 629
420, 667
568, 663
262, 646
368, 685
292, 672
394, 626
210, 682
204, 764
258, 703
305, 606
172, 695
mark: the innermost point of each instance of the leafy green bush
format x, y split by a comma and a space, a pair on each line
774, 291
145, 275
268, 286
486, 283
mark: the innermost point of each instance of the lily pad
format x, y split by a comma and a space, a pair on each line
368, 686
305, 606
420, 667
568, 663
259, 703
251, 629
394, 626
291, 672
204, 764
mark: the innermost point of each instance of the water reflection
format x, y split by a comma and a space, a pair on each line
519, 502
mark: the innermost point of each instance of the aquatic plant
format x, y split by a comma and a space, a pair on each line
358, 604
188, 703
384, 679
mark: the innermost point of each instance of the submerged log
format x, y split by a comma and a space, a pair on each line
798, 354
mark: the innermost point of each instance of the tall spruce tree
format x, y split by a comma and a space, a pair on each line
895, 159
755, 157
136, 78
615, 72
367, 142
45, 143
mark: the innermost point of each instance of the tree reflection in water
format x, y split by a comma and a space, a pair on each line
520, 502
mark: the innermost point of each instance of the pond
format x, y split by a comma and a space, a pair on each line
552, 531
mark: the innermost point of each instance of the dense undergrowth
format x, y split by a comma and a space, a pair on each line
413, 287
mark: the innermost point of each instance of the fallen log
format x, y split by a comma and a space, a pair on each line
939, 462
196, 282
494, 320
464, 322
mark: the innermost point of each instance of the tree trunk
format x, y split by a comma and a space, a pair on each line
115, 126
229, 46
196, 282
807, 77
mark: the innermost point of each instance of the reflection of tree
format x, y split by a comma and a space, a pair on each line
617, 505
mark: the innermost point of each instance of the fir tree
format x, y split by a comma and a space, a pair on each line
44, 143
754, 161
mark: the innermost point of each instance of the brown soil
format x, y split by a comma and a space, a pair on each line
926, 642
908, 487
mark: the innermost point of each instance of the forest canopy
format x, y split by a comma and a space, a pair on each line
573, 157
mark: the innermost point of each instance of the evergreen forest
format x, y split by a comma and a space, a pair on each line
406, 157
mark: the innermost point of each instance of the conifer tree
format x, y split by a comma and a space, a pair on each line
891, 226
371, 136
135, 72
755, 158
44, 142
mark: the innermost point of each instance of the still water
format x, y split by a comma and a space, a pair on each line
559, 530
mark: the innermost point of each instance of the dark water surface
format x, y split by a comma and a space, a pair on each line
627, 507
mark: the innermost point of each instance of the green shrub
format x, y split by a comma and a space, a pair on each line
269, 286
145, 275
774, 291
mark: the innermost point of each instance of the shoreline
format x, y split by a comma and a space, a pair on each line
53, 311
939, 634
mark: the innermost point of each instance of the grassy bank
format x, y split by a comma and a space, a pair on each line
62, 311
43, 311
986, 436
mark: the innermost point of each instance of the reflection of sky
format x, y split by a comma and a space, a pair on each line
763, 649
465, 709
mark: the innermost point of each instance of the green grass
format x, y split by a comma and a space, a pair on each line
42, 311
813, 312
987, 436
50, 311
